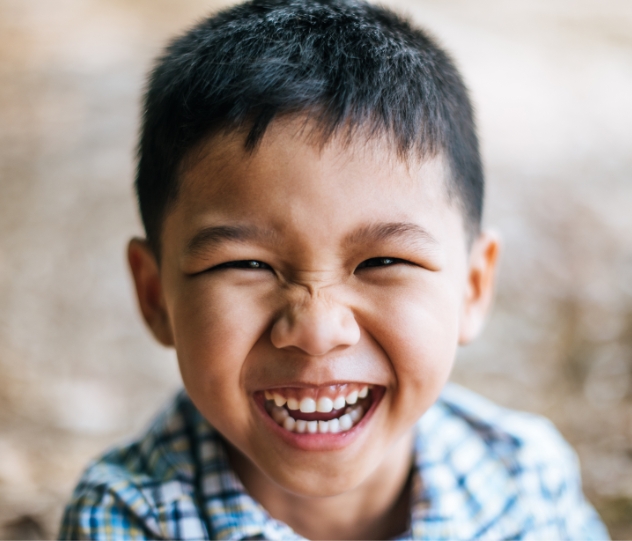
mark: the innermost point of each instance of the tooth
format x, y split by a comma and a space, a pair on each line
363, 392
301, 426
279, 414
308, 405
345, 422
352, 397
323, 427
269, 395
356, 414
289, 423
292, 404
324, 404
312, 426
334, 426
339, 403
279, 400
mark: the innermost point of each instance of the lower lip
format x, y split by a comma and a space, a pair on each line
320, 442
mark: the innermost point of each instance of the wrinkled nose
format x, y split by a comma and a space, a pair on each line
316, 327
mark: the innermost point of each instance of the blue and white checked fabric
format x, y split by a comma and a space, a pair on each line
481, 472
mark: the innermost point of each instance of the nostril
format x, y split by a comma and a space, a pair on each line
281, 334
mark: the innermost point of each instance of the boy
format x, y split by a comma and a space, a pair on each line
311, 189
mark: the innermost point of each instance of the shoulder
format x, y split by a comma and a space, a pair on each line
509, 434
145, 489
504, 472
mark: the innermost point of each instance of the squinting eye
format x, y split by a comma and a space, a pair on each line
379, 262
245, 264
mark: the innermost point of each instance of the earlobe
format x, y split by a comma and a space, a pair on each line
479, 290
146, 275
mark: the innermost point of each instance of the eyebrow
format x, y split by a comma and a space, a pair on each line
212, 236
388, 230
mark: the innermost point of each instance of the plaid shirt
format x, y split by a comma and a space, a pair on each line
480, 472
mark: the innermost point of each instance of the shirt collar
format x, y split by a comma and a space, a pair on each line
232, 512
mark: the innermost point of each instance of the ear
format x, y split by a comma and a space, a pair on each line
479, 290
146, 274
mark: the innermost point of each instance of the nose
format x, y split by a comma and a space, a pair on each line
315, 326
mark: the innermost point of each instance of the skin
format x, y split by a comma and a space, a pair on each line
315, 312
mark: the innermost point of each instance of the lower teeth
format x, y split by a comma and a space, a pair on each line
348, 420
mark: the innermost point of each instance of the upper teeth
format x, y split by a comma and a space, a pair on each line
307, 405
324, 404
340, 402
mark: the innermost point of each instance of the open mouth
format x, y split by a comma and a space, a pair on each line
326, 410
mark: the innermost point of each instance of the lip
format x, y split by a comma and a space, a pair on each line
319, 442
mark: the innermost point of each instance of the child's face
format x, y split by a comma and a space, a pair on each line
310, 274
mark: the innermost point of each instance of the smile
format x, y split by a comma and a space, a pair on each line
325, 410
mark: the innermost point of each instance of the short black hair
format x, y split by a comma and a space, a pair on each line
347, 64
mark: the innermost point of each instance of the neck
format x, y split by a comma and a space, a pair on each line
379, 508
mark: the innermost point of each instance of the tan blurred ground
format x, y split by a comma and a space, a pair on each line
552, 81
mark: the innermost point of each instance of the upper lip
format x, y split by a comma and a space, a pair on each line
307, 385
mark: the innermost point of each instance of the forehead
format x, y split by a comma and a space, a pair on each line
290, 176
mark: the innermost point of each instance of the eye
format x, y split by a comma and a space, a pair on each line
248, 264
380, 262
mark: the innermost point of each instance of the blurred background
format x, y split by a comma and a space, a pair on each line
552, 82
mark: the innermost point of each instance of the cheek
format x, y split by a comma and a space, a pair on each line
418, 330
215, 329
